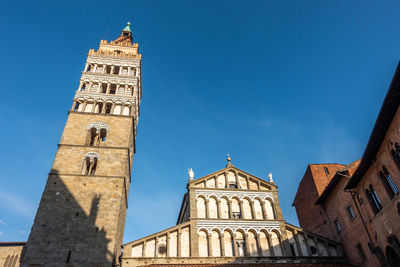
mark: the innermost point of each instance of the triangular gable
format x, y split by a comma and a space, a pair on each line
228, 168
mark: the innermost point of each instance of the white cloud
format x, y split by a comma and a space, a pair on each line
21, 231
3, 222
17, 204
1, 233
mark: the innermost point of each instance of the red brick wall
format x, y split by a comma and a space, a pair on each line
311, 217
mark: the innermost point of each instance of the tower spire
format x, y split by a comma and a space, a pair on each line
127, 27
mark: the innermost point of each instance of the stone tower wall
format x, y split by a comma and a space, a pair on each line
81, 216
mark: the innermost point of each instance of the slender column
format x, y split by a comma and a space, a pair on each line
226, 180
112, 69
222, 242
235, 247
258, 185
108, 88
246, 244
168, 243
80, 86
122, 109
144, 249
295, 233
94, 106
259, 250
126, 89
263, 210
305, 237
104, 68
219, 215
129, 71
237, 180
103, 110
230, 209
95, 67
253, 211
90, 86
99, 87
248, 182
155, 247
179, 236
209, 235
84, 106
207, 208
86, 67
271, 248
120, 70
241, 209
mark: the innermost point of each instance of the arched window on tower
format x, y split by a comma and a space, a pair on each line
103, 135
97, 133
388, 183
90, 163
373, 199
92, 137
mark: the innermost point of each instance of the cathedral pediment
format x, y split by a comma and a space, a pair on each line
232, 178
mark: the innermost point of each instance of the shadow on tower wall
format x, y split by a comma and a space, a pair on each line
63, 234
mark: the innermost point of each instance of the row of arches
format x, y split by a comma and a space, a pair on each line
103, 107
235, 208
108, 88
215, 243
111, 69
239, 244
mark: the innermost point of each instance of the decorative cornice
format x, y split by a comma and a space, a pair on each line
240, 194
234, 226
125, 62
84, 96
106, 78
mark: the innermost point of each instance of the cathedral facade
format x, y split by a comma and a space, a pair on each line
227, 217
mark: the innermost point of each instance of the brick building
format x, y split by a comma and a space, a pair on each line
358, 205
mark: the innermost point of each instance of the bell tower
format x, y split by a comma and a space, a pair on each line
81, 216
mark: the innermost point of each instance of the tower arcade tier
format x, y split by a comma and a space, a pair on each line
81, 216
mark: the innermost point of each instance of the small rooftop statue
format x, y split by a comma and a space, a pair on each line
270, 177
191, 174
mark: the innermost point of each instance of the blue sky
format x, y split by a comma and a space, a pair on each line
277, 84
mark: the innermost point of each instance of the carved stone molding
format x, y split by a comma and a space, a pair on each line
91, 155
102, 60
106, 78
84, 96
98, 125
240, 194
234, 226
